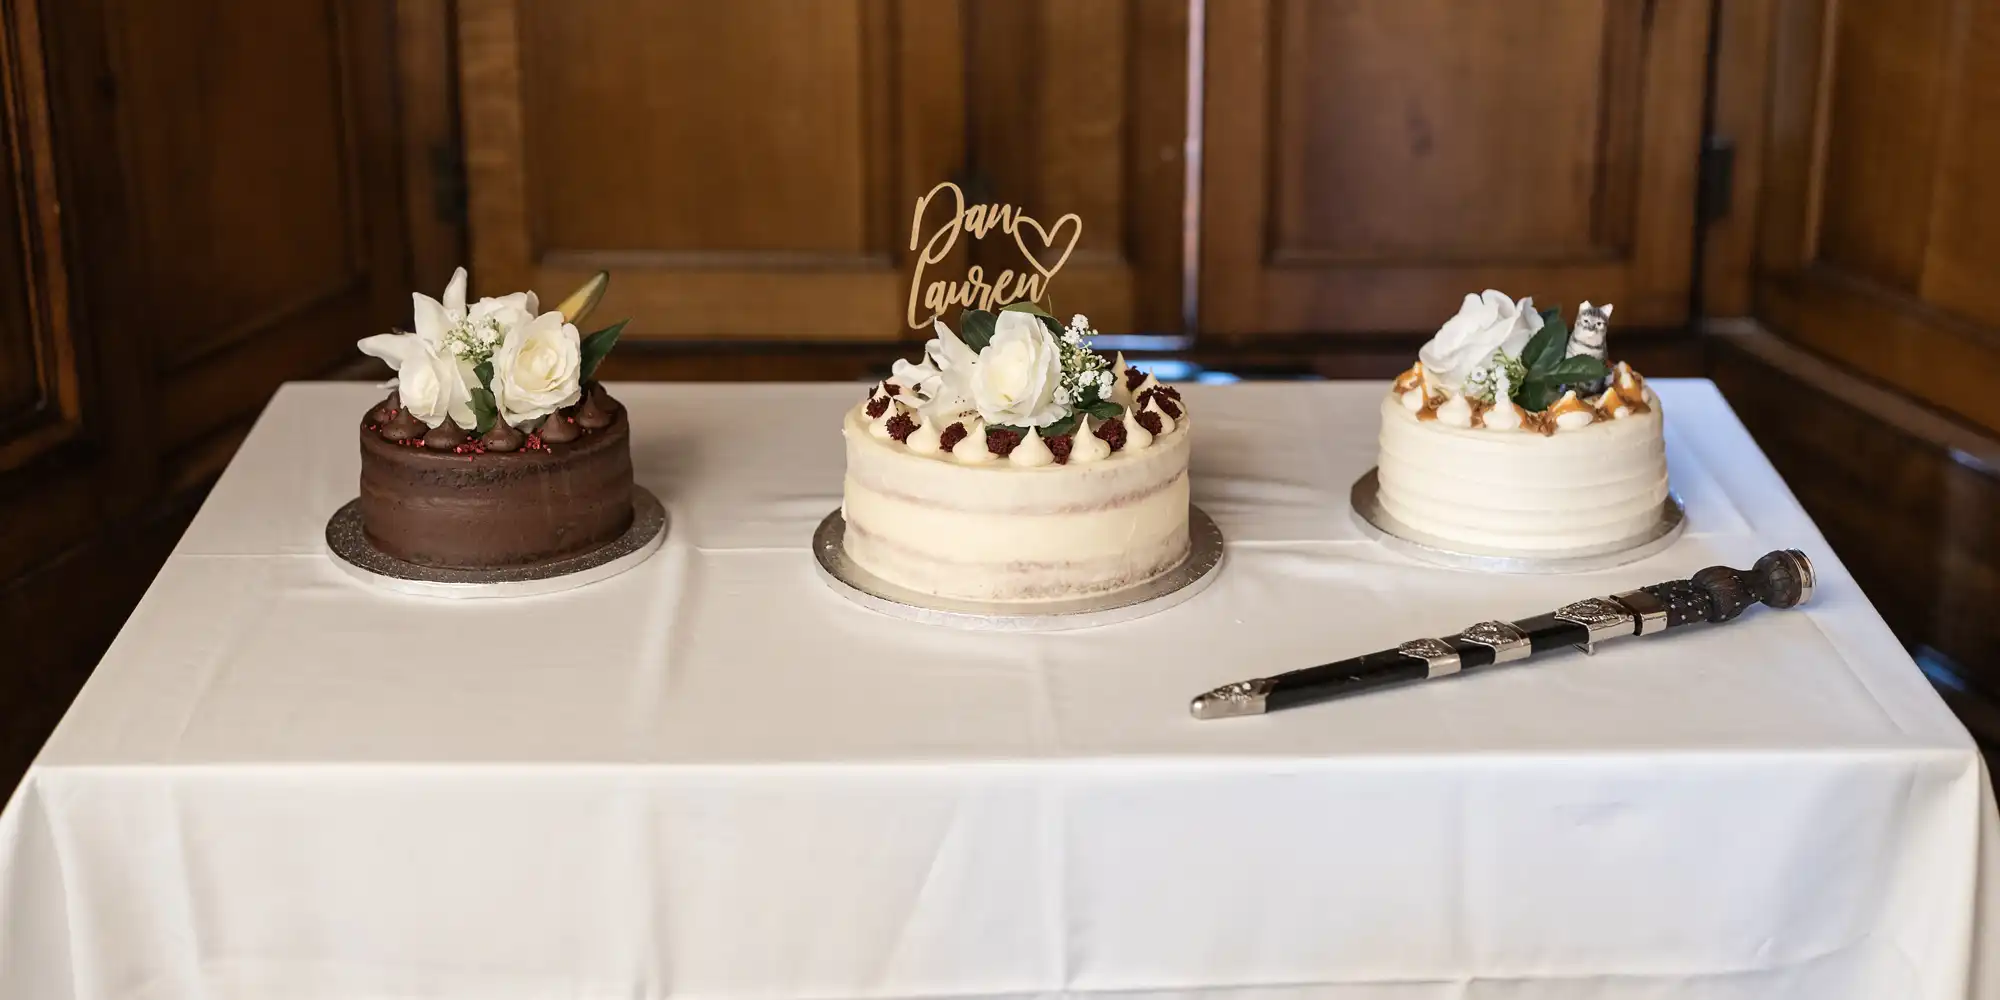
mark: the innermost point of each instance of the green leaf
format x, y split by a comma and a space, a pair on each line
1023, 431
484, 409
1055, 325
1552, 314
1545, 349
597, 345
1104, 409
483, 371
1538, 392
1066, 425
1582, 368
975, 327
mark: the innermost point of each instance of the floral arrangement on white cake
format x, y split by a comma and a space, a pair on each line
492, 374
1020, 385
1502, 364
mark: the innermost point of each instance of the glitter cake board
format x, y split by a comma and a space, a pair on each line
353, 552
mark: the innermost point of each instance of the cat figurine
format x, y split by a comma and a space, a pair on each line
1586, 339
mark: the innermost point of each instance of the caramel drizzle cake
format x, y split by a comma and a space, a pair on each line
1013, 463
1512, 434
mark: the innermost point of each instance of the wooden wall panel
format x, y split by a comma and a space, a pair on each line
749, 168
1525, 154
1887, 102
1369, 161
1880, 202
228, 104
702, 129
746, 168
1080, 106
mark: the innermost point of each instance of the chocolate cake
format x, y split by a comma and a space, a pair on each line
498, 448
472, 507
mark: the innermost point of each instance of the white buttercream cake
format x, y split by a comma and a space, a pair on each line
1014, 464
1511, 435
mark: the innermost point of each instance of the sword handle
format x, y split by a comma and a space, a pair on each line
1781, 579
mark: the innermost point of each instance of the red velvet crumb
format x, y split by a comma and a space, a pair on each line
1059, 446
1150, 421
877, 406
1001, 441
901, 426
1166, 398
892, 388
1112, 432
1133, 377
951, 436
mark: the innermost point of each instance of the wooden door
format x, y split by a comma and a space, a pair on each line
1878, 244
748, 169
1368, 162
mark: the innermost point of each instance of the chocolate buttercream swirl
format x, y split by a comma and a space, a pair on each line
403, 427
558, 429
502, 438
445, 436
597, 408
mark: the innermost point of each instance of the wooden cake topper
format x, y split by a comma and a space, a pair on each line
976, 292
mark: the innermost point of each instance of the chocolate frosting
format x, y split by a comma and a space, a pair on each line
496, 509
558, 429
502, 438
403, 427
386, 410
445, 436
597, 408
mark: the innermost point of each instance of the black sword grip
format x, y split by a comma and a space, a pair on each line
1781, 579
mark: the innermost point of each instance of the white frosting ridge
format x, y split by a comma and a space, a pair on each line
1522, 491
1009, 531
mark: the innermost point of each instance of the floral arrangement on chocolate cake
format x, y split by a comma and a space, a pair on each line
494, 375
1502, 364
1020, 385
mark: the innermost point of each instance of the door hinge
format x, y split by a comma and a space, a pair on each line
1718, 178
448, 194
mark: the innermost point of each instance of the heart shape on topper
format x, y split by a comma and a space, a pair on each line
1048, 240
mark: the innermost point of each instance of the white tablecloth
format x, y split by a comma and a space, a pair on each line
712, 778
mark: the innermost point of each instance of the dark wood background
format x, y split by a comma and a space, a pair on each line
205, 198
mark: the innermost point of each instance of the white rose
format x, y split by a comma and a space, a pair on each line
538, 369
1485, 323
1015, 378
432, 384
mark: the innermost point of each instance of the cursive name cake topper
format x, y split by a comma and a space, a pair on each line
976, 292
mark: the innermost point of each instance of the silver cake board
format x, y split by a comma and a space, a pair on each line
1399, 537
353, 551
1184, 581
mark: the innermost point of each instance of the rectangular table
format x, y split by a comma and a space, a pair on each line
711, 777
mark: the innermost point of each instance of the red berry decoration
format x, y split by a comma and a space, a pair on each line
1112, 432
901, 426
878, 406
952, 435
1001, 441
1151, 422
1166, 398
1059, 446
